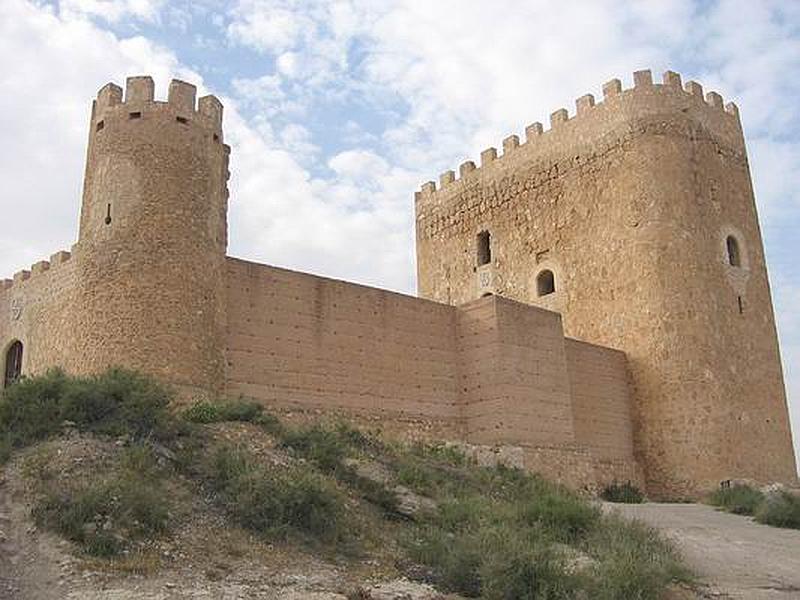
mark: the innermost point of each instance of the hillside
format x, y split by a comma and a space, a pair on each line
109, 492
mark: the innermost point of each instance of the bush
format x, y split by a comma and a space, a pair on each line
456, 558
625, 493
276, 503
203, 412
525, 569
633, 560
502, 533
115, 402
326, 447
493, 560
780, 509
738, 499
206, 412
562, 513
370, 490
6, 447
106, 517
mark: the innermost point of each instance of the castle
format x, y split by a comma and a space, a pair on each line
595, 297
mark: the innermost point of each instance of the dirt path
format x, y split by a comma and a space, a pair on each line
736, 557
27, 567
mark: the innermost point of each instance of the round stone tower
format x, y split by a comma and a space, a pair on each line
153, 235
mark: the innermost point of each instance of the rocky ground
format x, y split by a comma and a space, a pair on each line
206, 557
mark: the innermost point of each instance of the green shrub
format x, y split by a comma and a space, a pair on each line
105, 517
115, 402
493, 560
563, 513
456, 558
31, 410
633, 560
443, 453
205, 411
525, 569
625, 493
502, 533
277, 503
6, 447
370, 490
326, 447
780, 509
739, 499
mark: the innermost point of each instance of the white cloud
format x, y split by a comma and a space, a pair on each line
50, 67
112, 10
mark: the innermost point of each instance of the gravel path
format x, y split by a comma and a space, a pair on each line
736, 557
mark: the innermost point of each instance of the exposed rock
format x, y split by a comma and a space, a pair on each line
409, 504
575, 560
369, 469
493, 456
162, 451
402, 589
306, 595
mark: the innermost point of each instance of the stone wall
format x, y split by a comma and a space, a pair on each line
515, 385
602, 409
493, 372
629, 204
37, 308
298, 339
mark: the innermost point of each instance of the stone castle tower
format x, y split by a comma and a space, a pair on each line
153, 233
630, 227
634, 219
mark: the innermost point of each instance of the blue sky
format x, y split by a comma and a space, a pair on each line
337, 110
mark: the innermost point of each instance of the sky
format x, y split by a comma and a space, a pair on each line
338, 110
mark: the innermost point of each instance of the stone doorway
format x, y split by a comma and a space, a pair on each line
13, 363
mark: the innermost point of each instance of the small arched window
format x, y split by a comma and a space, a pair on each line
484, 248
545, 283
13, 369
734, 254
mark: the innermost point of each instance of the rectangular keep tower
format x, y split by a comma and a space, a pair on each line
636, 220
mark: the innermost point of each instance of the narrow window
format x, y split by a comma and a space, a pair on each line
484, 248
13, 369
135, 115
734, 256
741, 305
545, 283
182, 120
100, 125
108, 214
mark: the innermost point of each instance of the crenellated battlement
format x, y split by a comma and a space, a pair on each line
36, 270
138, 101
615, 99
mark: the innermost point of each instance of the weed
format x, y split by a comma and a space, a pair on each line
115, 402
524, 569
738, 499
105, 517
277, 503
564, 514
326, 447
625, 493
206, 412
633, 560
780, 509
